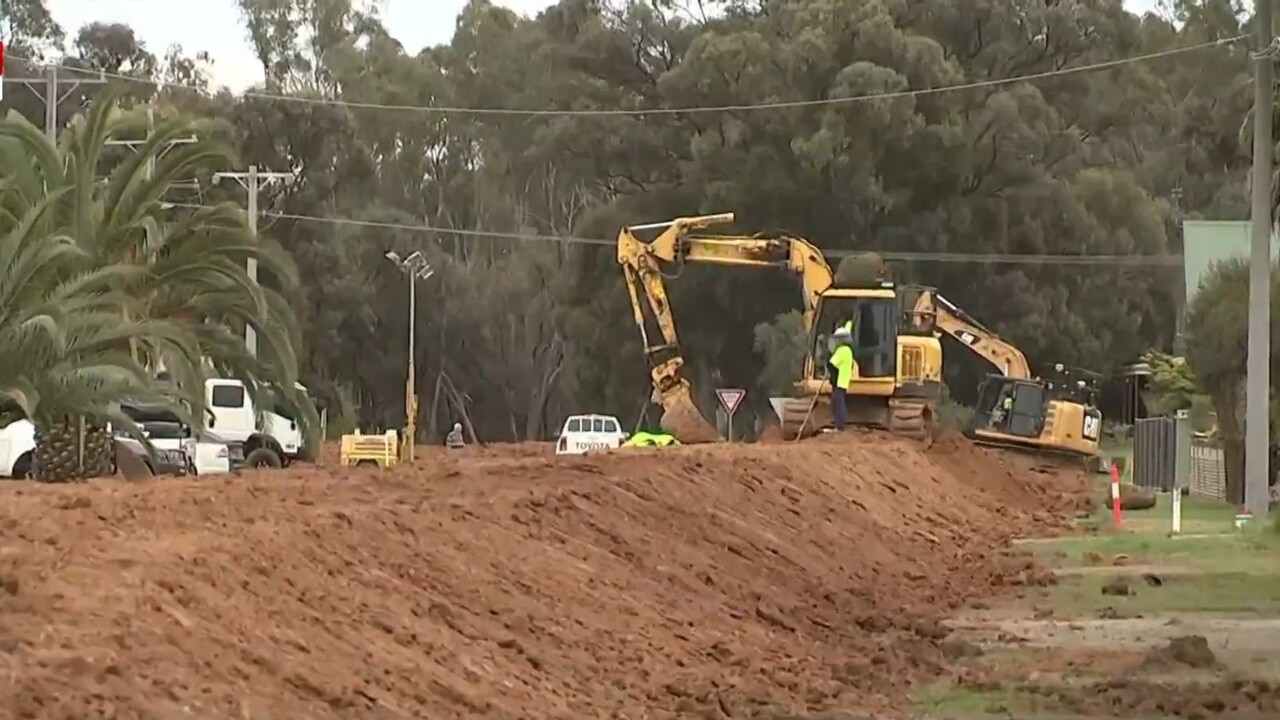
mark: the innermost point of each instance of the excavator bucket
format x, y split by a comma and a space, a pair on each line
682, 419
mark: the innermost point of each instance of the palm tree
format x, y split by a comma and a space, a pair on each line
185, 268
63, 347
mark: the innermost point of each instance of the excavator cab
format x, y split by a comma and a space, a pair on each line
899, 373
874, 318
1024, 417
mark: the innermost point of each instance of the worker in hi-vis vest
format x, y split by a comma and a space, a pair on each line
846, 368
846, 327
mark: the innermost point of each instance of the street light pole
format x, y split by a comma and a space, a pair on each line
417, 268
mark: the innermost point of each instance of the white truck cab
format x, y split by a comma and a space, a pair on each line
266, 439
589, 432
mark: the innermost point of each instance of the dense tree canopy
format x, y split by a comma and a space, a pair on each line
517, 333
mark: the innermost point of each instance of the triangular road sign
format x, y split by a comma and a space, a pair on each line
731, 398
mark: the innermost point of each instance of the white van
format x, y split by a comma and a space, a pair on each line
590, 432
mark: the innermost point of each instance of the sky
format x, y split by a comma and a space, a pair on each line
214, 26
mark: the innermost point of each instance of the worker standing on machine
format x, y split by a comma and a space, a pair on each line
845, 369
845, 327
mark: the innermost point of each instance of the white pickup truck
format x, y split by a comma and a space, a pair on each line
582, 433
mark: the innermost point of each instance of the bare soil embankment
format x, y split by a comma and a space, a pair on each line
713, 581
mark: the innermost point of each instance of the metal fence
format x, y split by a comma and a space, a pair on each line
1155, 453
1165, 456
1208, 470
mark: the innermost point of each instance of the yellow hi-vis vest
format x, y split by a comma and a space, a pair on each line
846, 368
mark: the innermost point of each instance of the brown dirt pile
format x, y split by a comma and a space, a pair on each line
687, 582
1186, 650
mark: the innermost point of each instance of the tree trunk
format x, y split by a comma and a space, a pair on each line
1227, 404
72, 449
1233, 462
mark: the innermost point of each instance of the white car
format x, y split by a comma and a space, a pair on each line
179, 451
205, 453
582, 433
17, 449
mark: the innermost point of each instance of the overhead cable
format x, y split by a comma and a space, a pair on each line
746, 107
943, 257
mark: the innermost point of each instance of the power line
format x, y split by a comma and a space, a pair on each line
943, 257
781, 105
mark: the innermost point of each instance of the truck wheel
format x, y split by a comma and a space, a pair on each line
264, 458
23, 467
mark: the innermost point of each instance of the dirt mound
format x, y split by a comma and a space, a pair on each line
772, 435
726, 579
1186, 650
1125, 698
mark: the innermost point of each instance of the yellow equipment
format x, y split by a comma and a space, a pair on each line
897, 349
1056, 415
645, 439
364, 450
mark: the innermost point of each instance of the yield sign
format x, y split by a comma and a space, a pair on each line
731, 398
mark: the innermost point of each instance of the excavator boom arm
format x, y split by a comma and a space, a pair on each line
977, 337
643, 264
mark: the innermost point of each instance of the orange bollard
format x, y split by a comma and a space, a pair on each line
1117, 515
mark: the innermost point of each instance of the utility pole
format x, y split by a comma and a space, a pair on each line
251, 181
50, 93
1180, 297
417, 268
1258, 380
136, 145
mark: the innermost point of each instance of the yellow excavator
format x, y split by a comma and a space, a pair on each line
1057, 414
897, 348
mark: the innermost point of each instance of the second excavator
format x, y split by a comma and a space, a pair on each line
1055, 414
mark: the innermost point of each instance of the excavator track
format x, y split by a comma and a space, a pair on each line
1050, 455
802, 417
913, 419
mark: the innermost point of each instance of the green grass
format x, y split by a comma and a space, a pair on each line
1226, 571
1219, 593
948, 700
1249, 553
1199, 516
1223, 571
